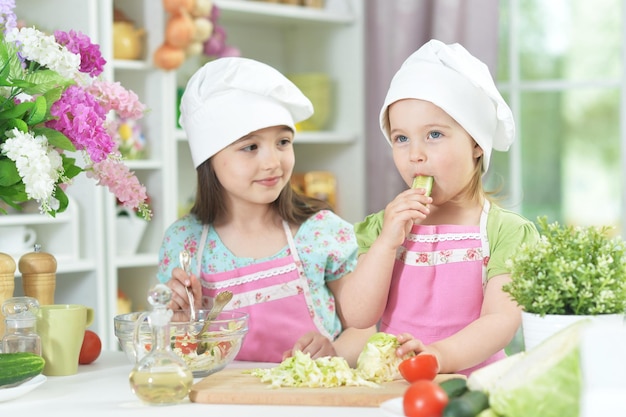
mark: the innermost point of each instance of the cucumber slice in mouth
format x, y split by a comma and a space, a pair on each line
423, 182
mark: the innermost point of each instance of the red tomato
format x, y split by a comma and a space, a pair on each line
418, 367
424, 398
91, 348
186, 344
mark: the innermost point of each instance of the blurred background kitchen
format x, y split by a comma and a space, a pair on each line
559, 64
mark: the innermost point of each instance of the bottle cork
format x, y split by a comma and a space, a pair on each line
7, 283
39, 275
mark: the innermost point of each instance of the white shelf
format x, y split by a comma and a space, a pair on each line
32, 219
138, 260
69, 266
143, 164
133, 65
259, 12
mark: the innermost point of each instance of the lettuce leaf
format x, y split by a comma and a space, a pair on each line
546, 381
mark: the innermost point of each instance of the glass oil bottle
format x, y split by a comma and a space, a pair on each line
160, 377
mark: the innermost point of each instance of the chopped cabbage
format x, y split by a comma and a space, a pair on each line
300, 370
378, 361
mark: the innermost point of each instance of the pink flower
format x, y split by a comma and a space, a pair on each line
81, 118
112, 96
91, 61
121, 182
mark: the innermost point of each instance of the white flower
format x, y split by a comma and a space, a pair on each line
36, 46
39, 165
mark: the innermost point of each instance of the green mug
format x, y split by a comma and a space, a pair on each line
62, 329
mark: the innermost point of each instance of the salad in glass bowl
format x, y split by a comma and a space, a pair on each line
204, 352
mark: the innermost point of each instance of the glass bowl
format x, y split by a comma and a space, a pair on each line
204, 354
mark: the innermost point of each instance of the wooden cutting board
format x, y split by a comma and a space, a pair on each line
233, 386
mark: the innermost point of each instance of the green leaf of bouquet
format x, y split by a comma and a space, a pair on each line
55, 138
18, 123
69, 167
11, 201
38, 112
8, 173
44, 80
4, 63
15, 193
52, 96
60, 195
17, 111
11, 70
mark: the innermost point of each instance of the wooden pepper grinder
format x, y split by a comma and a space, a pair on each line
7, 283
39, 275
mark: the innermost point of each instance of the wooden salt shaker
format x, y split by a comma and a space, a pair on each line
7, 283
39, 275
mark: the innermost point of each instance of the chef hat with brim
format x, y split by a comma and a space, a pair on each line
461, 85
231, 97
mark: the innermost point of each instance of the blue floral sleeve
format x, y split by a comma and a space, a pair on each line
327, 246
184, 233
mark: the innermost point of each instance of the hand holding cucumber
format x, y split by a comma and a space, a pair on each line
424, 182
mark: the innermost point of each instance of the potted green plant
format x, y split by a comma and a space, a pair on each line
572, 272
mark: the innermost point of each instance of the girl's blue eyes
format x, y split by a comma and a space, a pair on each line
401, 138
431, 135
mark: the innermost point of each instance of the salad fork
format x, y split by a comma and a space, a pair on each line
185, 260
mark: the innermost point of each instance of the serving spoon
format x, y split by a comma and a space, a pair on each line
221, 299
185, 259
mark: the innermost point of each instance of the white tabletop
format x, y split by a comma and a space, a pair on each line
102, 389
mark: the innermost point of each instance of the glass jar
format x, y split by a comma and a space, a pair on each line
20, 334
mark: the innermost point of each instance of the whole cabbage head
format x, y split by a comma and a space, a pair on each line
378, 361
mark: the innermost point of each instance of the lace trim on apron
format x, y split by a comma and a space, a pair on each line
438, 258
249, 278
443, 237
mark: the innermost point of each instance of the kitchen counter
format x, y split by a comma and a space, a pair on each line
102, 389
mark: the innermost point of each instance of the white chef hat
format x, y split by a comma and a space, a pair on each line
231, 97
460, 84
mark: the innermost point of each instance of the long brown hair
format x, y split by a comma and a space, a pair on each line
292, 206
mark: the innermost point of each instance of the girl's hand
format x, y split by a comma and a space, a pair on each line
400, 214
314, 344
410, 344
177, 284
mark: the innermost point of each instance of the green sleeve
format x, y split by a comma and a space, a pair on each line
368, 230
506, 231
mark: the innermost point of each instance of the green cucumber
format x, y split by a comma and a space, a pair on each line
454, 387
423, 182
470, 404
488, 412
19, 367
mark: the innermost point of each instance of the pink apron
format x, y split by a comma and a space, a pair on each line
277, 297
438, 282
